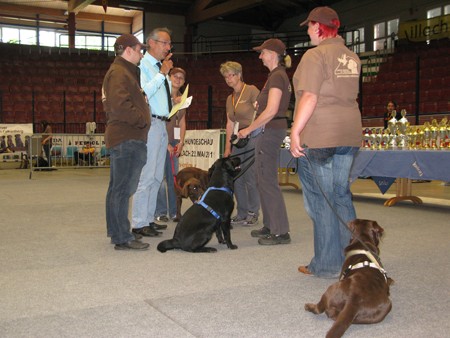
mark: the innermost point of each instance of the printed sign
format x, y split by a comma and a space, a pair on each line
201, 148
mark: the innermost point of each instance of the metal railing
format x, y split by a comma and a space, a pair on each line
68, 151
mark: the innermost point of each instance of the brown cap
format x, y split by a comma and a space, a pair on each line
127, 40
175, 70
275, 45
324, 15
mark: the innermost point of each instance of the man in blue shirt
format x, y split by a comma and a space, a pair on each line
155, 67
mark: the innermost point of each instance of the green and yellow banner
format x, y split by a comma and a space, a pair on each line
423, 30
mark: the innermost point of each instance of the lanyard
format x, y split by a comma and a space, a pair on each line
239, 99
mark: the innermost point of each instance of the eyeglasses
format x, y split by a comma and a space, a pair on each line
229, 76
165, 43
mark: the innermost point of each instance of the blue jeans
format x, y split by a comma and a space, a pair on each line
126, 162
169, 193
144, 200
326, 171
245, 187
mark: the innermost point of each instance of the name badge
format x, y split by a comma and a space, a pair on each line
176, 133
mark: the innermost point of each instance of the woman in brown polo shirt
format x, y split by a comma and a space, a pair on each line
327, 129
270, 127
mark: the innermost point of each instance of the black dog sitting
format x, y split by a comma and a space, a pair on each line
211, 214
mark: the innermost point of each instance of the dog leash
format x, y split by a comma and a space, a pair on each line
376, 258
250, 158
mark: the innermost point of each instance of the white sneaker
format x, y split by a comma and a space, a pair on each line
251, 219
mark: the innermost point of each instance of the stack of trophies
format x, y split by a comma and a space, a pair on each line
401, 135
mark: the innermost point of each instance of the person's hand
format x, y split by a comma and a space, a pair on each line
227, 153
179, 148
296, 148
243, 133
176, 100
166, 64
170, 149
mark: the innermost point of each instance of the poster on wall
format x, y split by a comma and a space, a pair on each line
201, 148
15, 137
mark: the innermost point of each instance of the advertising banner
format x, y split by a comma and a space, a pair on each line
424, 30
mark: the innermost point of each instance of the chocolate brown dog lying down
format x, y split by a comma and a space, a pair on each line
362, 294
209, 215
191, 183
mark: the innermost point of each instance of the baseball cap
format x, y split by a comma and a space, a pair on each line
128, 40
275, 45
324, 15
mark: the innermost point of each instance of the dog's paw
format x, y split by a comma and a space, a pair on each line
311, 308
233, 247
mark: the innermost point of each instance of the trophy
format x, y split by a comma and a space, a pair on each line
392, 126
426, 134
385, 139
402, 125
378, 132
434, 129
366, 138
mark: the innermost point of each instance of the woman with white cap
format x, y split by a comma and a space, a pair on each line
327, 129
271, 125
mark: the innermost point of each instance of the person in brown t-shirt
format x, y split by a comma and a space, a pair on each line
326, 135
270, 127
240, 107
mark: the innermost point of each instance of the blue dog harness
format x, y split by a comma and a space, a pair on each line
206, 206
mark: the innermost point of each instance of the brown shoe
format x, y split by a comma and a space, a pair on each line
147, 232
304, 269
132, 245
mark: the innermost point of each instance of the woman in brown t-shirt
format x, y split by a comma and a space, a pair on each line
271, 126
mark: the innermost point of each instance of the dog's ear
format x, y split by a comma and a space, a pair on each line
211, 170
185, 190
377, 232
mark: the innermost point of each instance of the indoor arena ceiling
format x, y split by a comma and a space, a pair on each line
268, 14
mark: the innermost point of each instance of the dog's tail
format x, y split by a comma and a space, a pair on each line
168, 244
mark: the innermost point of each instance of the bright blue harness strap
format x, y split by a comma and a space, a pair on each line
206, 206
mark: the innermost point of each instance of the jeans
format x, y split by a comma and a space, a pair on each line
126, 162
144, 200
169, 193
245, 187
326, 172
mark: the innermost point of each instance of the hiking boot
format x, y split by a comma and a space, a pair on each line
260, 232
275, 239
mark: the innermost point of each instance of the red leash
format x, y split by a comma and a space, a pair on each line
175, 183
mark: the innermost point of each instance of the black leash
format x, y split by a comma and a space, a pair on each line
338, 216
251, 159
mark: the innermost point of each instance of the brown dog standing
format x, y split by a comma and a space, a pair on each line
191, 183
362, 294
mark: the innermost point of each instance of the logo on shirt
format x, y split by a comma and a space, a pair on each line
347, 67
